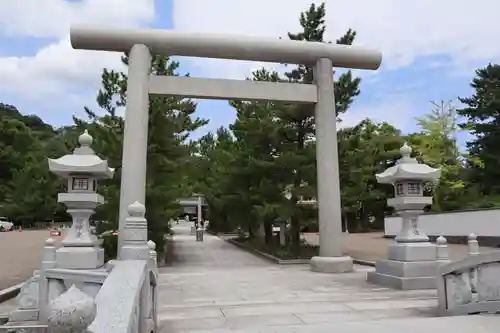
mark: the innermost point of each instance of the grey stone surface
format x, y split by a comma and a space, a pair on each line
470, 285
412, 251
117, 309
134, 159
7, 307
222, 46
469, 324
406, 275
71, 312
215, 286
403, 283
327, 169
341, 264
407, 268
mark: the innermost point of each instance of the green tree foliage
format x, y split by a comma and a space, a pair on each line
365, 150
28, 191
210, 174
482, 119
436, 145
297, 121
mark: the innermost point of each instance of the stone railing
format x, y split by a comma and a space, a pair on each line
470, 285
118, 298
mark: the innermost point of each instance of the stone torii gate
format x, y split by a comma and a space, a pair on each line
142, 43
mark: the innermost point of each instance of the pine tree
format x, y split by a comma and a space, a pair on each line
210, 173
482, 114
298, 120
258, 171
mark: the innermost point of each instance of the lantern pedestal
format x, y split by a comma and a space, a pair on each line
411, 262
80, 258
409, 266
80, 248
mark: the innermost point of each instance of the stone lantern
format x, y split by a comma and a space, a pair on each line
83, 169
411, 262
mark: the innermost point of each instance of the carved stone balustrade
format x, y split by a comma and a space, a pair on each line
123, 304
71, 312
470, 285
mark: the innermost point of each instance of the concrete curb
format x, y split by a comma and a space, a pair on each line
279, 261
9, 293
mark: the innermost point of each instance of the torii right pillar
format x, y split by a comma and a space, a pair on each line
331, 258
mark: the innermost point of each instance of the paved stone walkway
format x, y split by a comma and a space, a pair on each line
215, 286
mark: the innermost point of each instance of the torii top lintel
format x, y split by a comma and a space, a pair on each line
174, 43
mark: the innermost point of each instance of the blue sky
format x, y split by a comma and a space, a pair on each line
49, 79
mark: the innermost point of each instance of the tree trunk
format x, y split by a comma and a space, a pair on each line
295, 234
365, 220
379, 222
295, 221
268, 232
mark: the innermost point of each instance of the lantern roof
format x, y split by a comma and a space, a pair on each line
408, 168
83, 160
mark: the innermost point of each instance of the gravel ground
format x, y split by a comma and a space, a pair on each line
20, 254
373, 246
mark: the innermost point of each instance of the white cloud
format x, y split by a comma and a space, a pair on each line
461, 33
399, 110
461, 29
52, 18
56, 71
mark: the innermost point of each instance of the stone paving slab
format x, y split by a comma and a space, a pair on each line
464, 324
216, 286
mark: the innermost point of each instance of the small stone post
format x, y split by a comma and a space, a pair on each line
152, 251
442, 254
49, 254
473, 245
135, 234
193, 226
154, 291
199, 234
48, 261
153, 258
